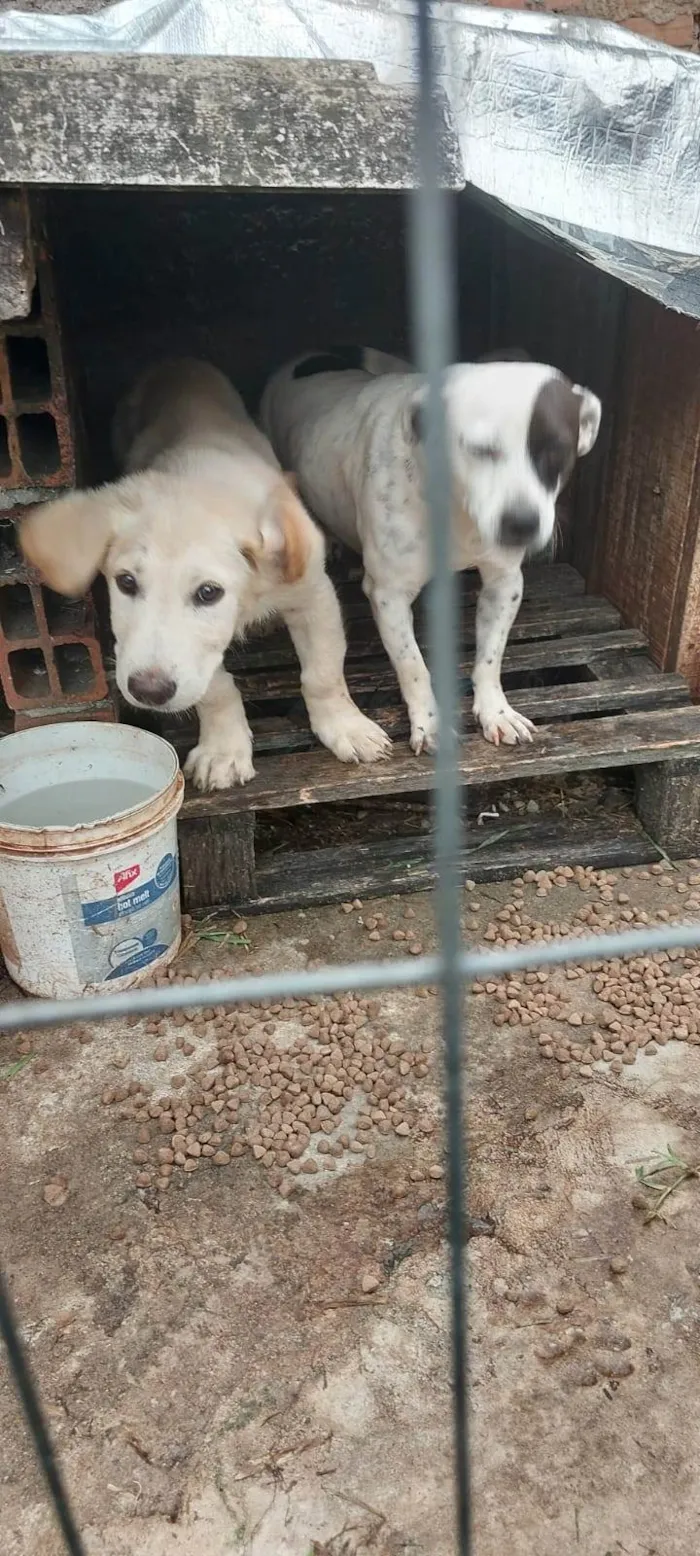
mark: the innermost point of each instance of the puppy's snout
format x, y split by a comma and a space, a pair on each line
519, 526
153, 688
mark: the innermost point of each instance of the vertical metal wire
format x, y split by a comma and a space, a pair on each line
37, 1424
433, 312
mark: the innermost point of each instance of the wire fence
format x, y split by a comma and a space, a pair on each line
433, 308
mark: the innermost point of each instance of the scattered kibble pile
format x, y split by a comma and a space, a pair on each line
298, 1083
305, 1085
639, 1003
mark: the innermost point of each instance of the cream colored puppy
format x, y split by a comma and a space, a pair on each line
201, 539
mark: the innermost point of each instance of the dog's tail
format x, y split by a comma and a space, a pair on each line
346, 359
337, 359
506, 354
379, 363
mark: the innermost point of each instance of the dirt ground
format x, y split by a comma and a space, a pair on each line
254, 1363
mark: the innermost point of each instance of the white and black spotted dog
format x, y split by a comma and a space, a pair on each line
348, 424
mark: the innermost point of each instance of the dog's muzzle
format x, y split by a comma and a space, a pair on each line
518, 527
152, 688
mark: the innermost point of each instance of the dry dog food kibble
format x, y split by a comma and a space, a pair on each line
638, 1004
307, 1085
297, 1106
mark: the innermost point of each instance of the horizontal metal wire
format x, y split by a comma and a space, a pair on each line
358, 977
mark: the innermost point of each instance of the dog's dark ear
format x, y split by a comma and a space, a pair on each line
286, 536
67, 540
506, 354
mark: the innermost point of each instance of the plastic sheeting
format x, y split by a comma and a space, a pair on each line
581, 127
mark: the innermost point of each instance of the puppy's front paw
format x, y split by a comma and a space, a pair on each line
500, 722
211, 767
352, 737
425, 730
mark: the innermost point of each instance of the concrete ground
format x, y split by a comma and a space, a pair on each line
251, 1355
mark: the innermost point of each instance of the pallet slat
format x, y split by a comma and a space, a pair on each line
558, 617
536, 619
548, 580
370, 675
586, 681
315, 777
543, 704
324, 875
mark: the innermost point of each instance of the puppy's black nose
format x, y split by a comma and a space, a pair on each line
519, 526
152, 688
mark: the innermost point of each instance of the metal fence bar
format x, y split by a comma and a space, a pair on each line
37, 1424
433, 304
28, 1015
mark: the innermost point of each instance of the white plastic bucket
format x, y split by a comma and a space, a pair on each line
94, 904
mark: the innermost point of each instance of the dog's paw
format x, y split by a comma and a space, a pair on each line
211, 767
500, 723
354, 738
425, 730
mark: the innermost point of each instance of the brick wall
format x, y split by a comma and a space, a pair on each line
668, 21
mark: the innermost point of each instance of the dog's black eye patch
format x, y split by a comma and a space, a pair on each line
554, 464
336, 361
552, 439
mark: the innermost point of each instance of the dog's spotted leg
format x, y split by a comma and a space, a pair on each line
316, 630
392, 612
497, 608
224, 755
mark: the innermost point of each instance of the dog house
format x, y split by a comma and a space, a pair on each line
244, 211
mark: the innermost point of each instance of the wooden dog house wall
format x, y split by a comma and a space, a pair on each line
249, 278
637, 504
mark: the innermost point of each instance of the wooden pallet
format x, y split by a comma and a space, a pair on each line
585, 680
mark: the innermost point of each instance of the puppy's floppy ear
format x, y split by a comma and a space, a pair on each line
67, 540
590, 413
286, 536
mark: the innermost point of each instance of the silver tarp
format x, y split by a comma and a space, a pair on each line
581, 127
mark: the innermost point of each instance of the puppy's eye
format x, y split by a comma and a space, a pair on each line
126, 583
208, 594
488, 452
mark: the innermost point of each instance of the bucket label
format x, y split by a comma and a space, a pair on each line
124, 878
116, 935
105, 910
130, 955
